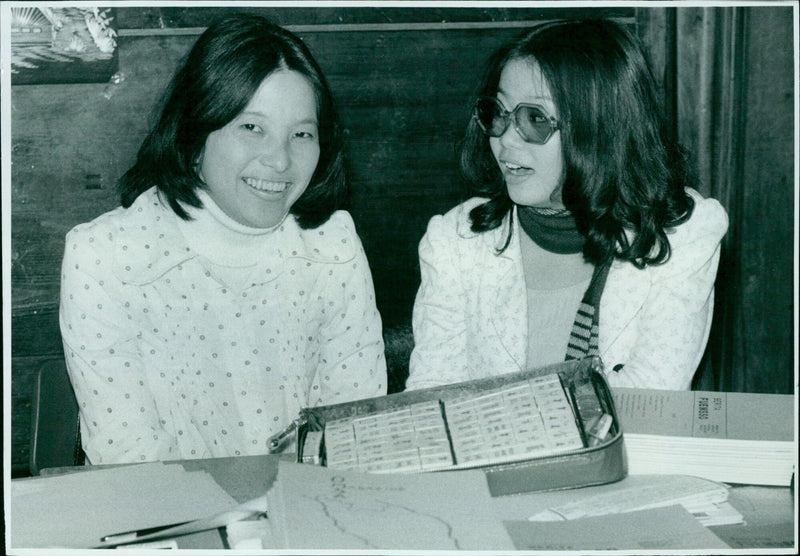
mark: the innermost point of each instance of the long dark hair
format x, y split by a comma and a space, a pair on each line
214, 84
623, 172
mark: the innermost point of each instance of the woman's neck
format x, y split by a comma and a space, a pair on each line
545, 270
222, 217
221, 239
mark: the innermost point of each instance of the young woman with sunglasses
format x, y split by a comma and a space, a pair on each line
228, 292
582, 236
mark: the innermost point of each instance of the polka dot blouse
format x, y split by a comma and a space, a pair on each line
202, 339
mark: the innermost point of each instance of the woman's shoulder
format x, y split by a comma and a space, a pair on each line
708, 221
451, 235
339, 226
336, 240
340, 222
695, 241
456, 222
139, 242
146, 207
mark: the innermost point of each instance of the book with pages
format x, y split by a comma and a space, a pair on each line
728, 437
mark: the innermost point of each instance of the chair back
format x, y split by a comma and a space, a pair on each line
55, 427
399, 342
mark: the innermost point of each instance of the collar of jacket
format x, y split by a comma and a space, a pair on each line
502, 274
511, 326
148, 242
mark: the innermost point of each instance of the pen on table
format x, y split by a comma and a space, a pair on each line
255, 507
129, 536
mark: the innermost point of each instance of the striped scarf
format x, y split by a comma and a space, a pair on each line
554, 230
584, 334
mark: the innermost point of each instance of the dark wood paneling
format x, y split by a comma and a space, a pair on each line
734, 97
766, 345
172, 17
36, 334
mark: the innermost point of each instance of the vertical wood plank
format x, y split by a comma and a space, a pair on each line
768, 201
735, 97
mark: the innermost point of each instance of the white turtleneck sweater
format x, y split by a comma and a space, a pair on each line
202, 338
227, 248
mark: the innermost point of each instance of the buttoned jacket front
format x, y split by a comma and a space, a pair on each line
470, 314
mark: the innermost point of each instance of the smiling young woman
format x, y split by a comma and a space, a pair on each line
258, 165
228, 291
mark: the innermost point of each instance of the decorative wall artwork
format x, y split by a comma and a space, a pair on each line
62, 45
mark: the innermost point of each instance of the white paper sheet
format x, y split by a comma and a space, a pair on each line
75, 510
654, 492
676, 530
319, 508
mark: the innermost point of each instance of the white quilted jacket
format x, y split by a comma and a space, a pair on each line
470, 314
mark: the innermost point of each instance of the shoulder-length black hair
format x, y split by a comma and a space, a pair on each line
214, 84
623, 172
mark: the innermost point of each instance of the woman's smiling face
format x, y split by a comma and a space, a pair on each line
533, 173
260, 163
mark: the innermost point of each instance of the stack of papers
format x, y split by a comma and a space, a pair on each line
726, 437
706, 500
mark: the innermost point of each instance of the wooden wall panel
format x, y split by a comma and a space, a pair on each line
403, 115
764, 350
735, 102
182, 17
